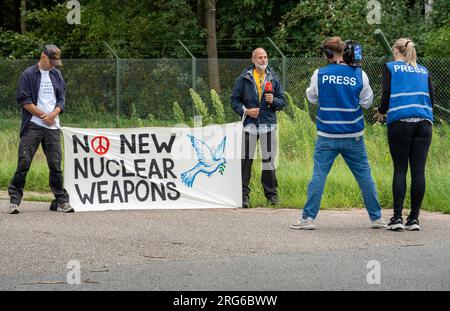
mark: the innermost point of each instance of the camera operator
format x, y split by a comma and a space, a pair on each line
341, 91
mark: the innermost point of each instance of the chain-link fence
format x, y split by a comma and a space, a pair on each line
147, 88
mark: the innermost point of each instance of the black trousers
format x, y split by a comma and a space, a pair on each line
51, 145
268, 144
409, 141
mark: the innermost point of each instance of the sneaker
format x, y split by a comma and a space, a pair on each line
273, 200
65, 208
305, 224
396, 224
412, 225
245, 202
13, 209
378, 224
54, 205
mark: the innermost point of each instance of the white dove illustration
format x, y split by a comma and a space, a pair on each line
208, 161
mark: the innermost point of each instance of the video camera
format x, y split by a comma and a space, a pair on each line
352, 53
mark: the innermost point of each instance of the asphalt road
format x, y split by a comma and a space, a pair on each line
218, 249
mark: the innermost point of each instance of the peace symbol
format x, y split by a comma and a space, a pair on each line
100, 145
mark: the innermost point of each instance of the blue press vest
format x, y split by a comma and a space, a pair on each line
410, 97
339, 110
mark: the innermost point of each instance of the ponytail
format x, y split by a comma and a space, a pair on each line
410, 54
406, 47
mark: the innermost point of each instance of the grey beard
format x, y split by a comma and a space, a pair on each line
261, 67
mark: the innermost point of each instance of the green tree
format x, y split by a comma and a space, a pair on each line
305, 27
438, 43
213, 65
244, 24
134, 28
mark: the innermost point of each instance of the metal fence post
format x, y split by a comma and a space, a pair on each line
194, 66
379, 35
117, 78
283, 65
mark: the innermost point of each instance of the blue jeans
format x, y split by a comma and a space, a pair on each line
353, 151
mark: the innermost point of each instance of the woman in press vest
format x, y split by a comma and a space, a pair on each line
407, 101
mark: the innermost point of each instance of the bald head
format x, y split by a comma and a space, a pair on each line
260, 59
257, 52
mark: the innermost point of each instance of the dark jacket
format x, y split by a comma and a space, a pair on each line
28, 91
246, 94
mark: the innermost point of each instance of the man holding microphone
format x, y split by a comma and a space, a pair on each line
257, 96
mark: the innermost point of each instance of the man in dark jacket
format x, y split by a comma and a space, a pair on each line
41, 94
257, 103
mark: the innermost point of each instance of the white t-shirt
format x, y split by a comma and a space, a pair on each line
46, 100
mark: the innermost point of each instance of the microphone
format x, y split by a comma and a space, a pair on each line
268, 88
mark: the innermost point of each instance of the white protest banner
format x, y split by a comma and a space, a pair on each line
153, 168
